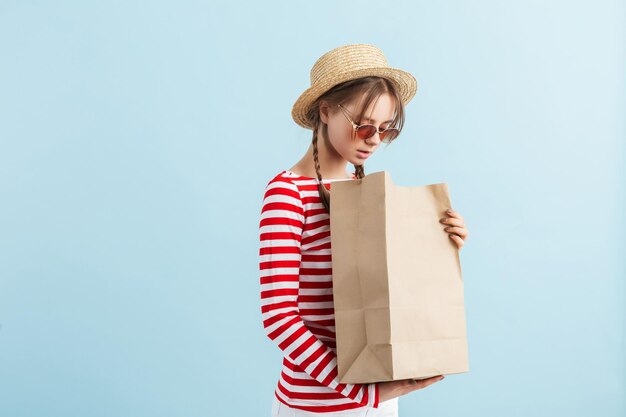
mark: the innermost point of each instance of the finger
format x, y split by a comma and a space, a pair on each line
454, 213
452, 221
457, 240
462, 232
423, 383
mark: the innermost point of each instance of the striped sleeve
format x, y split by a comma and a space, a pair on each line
281, 225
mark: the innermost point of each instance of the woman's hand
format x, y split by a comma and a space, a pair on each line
393, 389
456, 228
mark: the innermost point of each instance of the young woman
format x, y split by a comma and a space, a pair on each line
355, 102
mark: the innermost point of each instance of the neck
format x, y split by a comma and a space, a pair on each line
332, 165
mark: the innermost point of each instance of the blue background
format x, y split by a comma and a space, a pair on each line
136, 139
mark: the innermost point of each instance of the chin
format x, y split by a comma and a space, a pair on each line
358, 161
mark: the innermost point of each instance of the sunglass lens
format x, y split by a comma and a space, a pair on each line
366, 131
389, 135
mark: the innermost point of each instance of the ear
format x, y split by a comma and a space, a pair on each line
324, 110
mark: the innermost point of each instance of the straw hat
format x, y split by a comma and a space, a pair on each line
348, 63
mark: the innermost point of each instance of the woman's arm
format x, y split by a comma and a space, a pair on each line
282, 221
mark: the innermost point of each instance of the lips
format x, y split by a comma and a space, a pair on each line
363, 154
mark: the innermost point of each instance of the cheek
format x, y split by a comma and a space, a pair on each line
341, 137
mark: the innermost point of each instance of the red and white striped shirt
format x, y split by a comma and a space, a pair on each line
297, 297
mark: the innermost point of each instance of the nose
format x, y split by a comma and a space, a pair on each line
373, 140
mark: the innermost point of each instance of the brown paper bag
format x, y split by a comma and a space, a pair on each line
397, 283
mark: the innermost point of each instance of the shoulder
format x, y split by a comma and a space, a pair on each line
282, 197
283, 185
288, 180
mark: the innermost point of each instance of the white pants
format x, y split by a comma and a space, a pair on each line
387, 408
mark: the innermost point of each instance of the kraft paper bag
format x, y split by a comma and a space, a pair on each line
397, 283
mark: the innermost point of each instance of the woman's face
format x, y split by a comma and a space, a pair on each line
340, 131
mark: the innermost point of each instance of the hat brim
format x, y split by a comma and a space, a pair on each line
405, 83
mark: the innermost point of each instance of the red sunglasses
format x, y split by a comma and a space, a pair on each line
366, 131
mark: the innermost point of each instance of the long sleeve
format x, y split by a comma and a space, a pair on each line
281, 227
